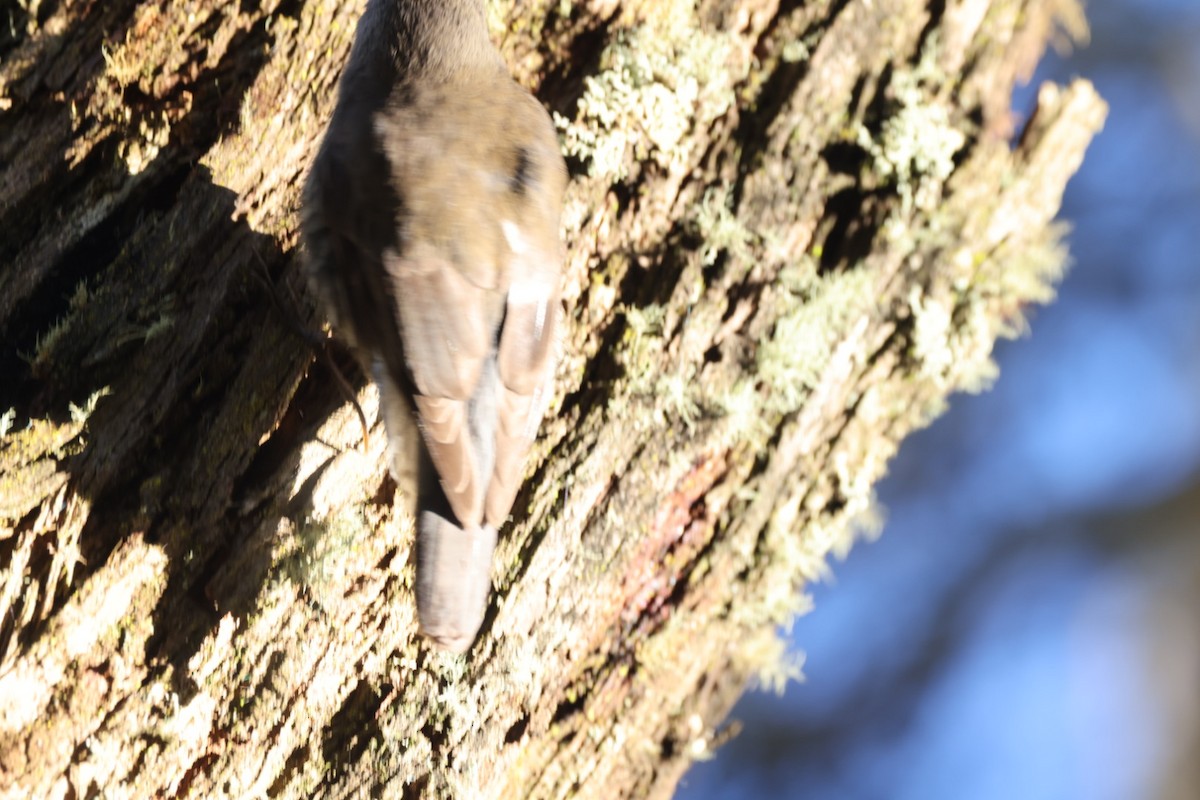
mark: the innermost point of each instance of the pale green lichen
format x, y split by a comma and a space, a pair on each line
641, 347
81, 295
45, 342
325, 556
916, 147
740, 409
160, 325
720, 229
790, 560
657, 83
795, 51
955, 329
678, 397
806, 525
673, 393
801, 344
1028, 273
775, 663
932, 326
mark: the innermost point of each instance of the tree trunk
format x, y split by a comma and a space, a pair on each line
794, 229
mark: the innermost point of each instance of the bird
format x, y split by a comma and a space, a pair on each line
430, 225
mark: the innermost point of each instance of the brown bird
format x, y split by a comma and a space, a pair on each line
431, 225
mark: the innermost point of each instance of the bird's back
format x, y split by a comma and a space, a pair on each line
431, 220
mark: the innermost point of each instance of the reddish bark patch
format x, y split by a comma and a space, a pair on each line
681, 528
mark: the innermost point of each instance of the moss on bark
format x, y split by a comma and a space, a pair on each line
794, 230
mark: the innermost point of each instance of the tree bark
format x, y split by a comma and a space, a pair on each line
794, 229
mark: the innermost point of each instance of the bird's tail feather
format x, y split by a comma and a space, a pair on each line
454, 577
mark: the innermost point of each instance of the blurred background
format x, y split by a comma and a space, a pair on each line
1028, 626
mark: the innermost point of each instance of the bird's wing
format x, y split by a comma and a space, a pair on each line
480, 279
525, 357
446, 326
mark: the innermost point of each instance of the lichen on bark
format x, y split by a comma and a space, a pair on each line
794, 230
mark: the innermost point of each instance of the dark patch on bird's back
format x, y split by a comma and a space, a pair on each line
521, 179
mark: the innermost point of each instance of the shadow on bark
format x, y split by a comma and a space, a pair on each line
125, 300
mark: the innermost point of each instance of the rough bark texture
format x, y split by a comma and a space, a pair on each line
794, 229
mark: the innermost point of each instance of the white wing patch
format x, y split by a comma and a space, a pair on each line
526, 292
540, 325
516, 240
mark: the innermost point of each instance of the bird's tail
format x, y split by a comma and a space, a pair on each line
454, 577
454, 560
